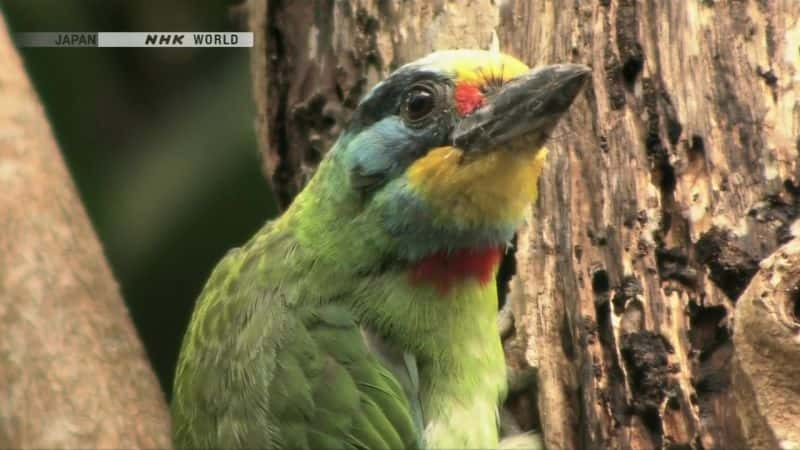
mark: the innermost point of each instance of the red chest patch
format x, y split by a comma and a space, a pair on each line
443, 270
468, 98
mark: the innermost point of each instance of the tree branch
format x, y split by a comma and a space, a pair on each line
73, 373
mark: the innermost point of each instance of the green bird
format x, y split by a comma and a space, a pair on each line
364, 316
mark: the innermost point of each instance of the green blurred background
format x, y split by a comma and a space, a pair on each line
161, 145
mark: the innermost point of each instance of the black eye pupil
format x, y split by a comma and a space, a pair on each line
419, 103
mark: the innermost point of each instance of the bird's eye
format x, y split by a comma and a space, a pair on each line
420, 101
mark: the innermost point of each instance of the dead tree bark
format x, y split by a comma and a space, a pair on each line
73, 373
671, 180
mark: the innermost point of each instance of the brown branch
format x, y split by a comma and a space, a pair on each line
766, 369
73, 373
259, 68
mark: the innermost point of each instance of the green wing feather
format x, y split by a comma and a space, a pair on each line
259, 371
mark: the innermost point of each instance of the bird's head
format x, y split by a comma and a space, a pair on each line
446, 152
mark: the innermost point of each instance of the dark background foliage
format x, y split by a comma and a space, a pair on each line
161, 145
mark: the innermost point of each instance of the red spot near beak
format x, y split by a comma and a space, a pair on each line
468, 98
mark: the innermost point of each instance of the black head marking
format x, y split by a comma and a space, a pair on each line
386, 134
386, 99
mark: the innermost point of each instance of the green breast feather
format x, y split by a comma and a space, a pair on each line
258, 373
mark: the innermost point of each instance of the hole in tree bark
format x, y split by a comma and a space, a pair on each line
630, 50
631, 68
600, 283
796, 309
707, 330
697, 149
794, 305
508, 268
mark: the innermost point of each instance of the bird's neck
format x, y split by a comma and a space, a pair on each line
462, 374
445, 270
457, 361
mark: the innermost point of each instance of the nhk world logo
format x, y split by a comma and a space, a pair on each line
114, 39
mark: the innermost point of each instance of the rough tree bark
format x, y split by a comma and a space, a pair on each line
73, 373
673, 178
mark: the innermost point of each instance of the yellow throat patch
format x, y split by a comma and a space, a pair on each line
490, 189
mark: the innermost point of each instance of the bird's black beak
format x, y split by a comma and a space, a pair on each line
528, 106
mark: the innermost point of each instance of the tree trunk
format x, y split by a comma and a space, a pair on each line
670, 184
73, 373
